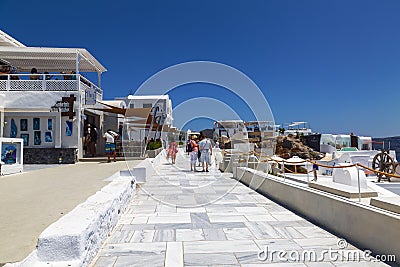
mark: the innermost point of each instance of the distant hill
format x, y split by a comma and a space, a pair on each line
394, 144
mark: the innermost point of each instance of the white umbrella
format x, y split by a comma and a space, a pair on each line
295, 160
276, 158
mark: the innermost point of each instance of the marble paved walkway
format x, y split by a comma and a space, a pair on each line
181, 218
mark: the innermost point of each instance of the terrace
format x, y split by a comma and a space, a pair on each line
54, 66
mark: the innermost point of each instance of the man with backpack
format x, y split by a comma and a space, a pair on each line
110, 137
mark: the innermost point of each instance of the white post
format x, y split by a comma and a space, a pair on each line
99, 79
77, 62
308, 173
8, 85
43, 82
2, 123
358, 179
283, 168
235, 166
267, 168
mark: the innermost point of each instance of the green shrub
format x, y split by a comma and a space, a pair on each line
154, 145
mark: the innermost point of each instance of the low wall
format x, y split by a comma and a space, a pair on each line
365, 226
146, 168
49, 155
75, 238
153, 153
161, 157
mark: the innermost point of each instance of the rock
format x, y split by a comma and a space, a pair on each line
289, 146
287, 143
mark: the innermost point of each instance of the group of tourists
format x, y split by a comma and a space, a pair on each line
6, 70
200, 151
110, 137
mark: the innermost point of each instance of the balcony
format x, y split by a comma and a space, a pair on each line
49, 82
50, 62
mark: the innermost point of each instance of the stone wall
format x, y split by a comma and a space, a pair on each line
154, 153
49, 155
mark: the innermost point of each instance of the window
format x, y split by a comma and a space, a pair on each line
131, 105
147, 105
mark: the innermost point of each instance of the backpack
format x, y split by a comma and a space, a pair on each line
114, 134
189, 147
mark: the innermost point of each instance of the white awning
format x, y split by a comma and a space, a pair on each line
7, 40
49, 59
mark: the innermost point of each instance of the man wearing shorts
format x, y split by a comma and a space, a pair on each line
205, 147
315, 170
110, 136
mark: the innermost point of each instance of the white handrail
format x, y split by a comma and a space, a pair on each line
44, 78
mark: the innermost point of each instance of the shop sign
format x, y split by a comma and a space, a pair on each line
65, 106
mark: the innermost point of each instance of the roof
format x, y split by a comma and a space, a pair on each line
7, 40
49, 59
115, 103
155, 97
143, 113
249, 123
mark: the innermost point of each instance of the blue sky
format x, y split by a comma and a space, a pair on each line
335, 64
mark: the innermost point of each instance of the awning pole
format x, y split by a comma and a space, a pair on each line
77, 63
99, 79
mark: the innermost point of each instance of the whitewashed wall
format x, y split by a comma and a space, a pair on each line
31, 104
44, 116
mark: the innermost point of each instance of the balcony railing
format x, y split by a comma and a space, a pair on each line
46, 82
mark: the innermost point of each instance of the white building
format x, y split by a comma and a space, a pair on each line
232, 129
160, 107
260, 130
49, 111
298, 128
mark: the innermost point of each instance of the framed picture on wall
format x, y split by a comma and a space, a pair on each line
37, 139
68, 128
25, 137
48, 138
14, 129
9, 153
36, 123
49, 124
24, 124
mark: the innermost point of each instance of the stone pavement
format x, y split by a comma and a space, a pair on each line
181, 218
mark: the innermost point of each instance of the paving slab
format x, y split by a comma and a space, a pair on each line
216, 222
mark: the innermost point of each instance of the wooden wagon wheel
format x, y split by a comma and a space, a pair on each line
396, 168
383, 162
